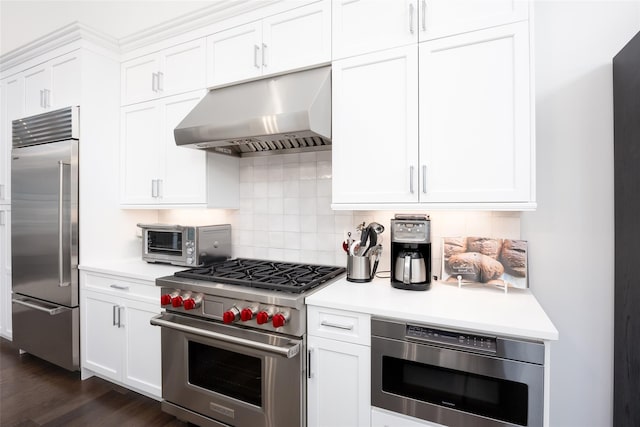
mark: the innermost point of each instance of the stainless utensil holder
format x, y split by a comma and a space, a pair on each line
359, 269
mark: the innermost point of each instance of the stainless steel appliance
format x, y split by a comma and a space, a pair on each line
454, 377
288, 112
44, 236
234, 342
190, 246
411, 252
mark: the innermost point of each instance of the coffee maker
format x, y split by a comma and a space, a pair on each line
411, 252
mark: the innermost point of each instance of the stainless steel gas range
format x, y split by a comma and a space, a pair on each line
234, 342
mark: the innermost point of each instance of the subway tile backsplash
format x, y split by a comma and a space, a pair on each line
285, 214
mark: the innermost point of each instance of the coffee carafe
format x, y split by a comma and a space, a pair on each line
411, 252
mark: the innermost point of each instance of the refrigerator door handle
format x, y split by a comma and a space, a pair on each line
51, 311
61, 282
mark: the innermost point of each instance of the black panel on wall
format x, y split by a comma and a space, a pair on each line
626, 105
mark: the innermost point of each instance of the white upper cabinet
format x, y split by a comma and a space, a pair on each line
362, 26
375, 127
290, 40
475, 142
12, 107
154, 171
52, 85
172, 71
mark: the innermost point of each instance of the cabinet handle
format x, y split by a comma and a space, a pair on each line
42, 98
411, 18
120, 287
115, 308
309, 352
336, 325
120, 324
2, 218
154, 82
424, 15
256, 49
160, 81
154, 188
264, 55
2, 192
411, 179
424, 179
159, 187
61, 194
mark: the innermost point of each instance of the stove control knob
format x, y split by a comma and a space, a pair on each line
194, 302
176, 301
264, 316
167, 299
246, 314
279, 319
230, 315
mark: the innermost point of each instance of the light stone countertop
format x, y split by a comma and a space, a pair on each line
134, 268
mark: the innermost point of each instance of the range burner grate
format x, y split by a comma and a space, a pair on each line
264, 274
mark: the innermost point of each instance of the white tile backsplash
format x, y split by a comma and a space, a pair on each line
285, 214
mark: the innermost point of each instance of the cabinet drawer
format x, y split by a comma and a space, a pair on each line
339, 325
122, 287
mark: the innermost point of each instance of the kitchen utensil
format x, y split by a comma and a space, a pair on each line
410, 267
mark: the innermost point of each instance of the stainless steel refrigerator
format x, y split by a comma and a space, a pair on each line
44, 236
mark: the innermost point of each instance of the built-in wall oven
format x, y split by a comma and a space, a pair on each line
456, 378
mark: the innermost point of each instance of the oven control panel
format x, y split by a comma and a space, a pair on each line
452, 338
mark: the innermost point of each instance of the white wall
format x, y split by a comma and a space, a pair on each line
571, 233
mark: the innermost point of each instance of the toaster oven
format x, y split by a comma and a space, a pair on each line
185, 245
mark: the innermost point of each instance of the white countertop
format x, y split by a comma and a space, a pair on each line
134, 268
474, 308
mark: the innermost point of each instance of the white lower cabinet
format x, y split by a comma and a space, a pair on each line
118, 342
383, 418
5, 272
339, 376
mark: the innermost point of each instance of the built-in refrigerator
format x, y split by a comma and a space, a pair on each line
44, 236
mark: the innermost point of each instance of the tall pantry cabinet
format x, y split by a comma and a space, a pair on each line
626, 357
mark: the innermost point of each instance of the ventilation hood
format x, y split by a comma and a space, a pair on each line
291, 112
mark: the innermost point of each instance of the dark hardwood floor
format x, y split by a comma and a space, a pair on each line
37, 393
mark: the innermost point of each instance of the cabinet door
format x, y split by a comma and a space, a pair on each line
182, 68
138, 82
475, 117
101, 336
375, 127
5, 272
142, 153
12, 108
185, 173
363, 26
297, 38
439, 18
142, 368
65, 82
339, 384
36, 81
234, 54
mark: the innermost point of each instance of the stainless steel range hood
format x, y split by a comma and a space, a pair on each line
290, 112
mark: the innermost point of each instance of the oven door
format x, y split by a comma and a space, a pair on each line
454, 387
235, 376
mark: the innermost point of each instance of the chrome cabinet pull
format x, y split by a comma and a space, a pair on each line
424, 15
411, 179
42, 98
119, 287
2, 192
256, 49
120, 324
154, 188
264, 55
411, 18
154, 82
309, 352
424, 179
61, 282
115, 308
336, 325
2, 217
160, 81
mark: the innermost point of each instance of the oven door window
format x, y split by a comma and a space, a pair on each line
486, 396
225, 372
164, 242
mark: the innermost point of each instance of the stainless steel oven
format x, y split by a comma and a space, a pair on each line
228, 376
454, 377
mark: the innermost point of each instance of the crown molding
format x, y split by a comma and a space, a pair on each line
221, 10
68, 34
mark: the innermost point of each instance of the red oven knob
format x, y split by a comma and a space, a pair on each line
246, 314
165, 299
189, 304
230, 315
279, 319
176, 301
263, 317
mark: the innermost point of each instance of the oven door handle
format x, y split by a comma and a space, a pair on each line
289, 351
